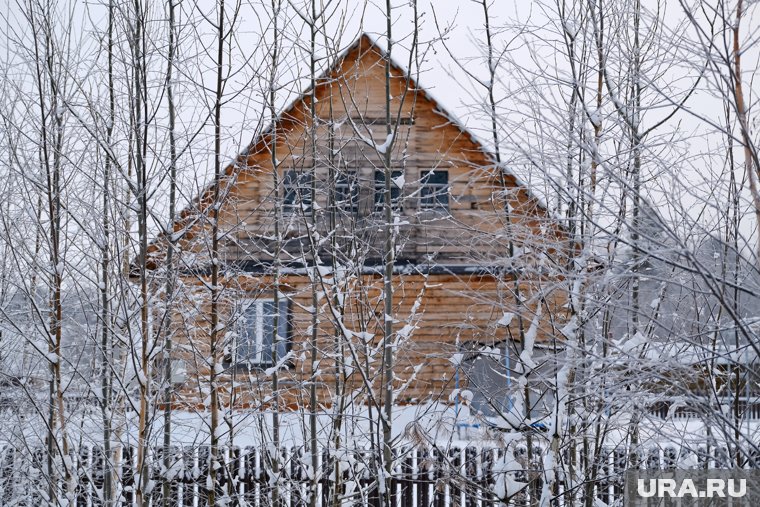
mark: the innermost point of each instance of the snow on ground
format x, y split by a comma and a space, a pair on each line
434, 422
447, 425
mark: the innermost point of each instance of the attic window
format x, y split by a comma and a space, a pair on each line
434, 194
347, 192
380, 190
296, 191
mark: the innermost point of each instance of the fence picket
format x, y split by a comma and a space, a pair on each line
486, 478
455, 462
439, 479
421, 477
471, 477
127, 477
405, 481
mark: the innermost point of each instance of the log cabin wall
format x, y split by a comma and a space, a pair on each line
436, 317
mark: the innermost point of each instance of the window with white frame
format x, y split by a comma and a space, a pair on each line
434, 192
255, 332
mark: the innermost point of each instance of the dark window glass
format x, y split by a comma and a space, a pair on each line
434, 193
347, 192
296, 191
492, 378
380, 190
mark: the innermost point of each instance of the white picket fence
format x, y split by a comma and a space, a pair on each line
423, 477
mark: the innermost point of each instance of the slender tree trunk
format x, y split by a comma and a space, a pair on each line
272, 92
751, 166
313, 443
636, 205
51, 163
388, 353
215, 289
105, 343
170, 274
141, 172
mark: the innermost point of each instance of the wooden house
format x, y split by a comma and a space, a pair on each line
476, 257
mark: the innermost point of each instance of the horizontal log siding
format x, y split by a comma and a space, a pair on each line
451, 310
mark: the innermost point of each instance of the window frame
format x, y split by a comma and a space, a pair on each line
296, 190
347, 191
378, 190
260, 353
431, 193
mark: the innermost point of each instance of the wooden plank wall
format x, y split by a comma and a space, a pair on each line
439, 312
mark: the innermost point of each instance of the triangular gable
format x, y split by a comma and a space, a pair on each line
295, 114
